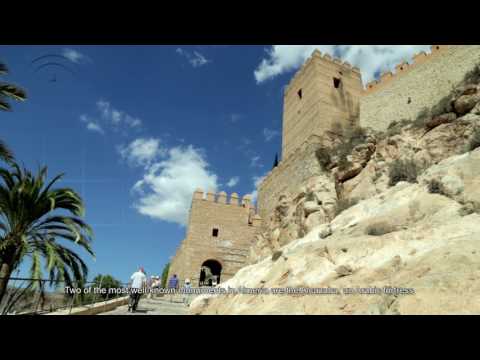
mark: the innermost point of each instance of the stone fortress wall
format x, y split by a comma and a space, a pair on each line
236, 224
291, 172
402, 95
422, 83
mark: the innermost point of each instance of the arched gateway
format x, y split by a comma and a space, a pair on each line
210, 273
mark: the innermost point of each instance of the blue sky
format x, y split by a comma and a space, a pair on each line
137, 128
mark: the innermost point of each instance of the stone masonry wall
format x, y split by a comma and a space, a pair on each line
287, 178
413, 87
236, 223
321, 104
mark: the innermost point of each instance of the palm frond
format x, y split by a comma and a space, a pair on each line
5, 153
12, 91
3, 69
4, 105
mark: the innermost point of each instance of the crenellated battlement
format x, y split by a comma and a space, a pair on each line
404, 68
222, 198
317, 55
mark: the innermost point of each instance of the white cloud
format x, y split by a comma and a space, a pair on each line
233, 181
95, 127
371, 59
195, 59
235, 117
110, 118
270, 134
246, 141
117, 117
165, 192
75, 56
142, 152
91, 124
255, 161
198, 59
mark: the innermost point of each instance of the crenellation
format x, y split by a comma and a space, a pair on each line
211, 196
356, 69
318, 56
198, 194
328, 57
222, 197
405, 67
234, 199
317, 53
246, 200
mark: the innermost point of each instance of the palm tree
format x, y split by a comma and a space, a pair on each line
9, 91
32, 223
5, 153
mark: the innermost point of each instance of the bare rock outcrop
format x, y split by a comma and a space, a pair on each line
293, 217
428, 263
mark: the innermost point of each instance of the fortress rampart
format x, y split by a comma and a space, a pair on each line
219, 235
413, 87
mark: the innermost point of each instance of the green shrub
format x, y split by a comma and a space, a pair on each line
343, 163
379, 229
378, 175
422, 118
344, 204
276, 255
351, 137
396, 127
324, 158
436, 187
165, 271
469, 208
443, 106
473, 76
475, 140
403, 170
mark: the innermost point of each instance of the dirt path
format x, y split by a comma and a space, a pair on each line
152, 307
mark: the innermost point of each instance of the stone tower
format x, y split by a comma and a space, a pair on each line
219, 235
324, 92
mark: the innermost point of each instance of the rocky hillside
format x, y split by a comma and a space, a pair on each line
398, 208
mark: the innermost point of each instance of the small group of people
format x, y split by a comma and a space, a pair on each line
139, 284
173, 284
154, 283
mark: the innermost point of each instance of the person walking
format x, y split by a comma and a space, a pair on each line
150, 284
138, 282
186, 294
173, 286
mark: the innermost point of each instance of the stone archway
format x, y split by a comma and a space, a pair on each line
210, 272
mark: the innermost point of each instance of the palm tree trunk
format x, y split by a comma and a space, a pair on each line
5, 272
